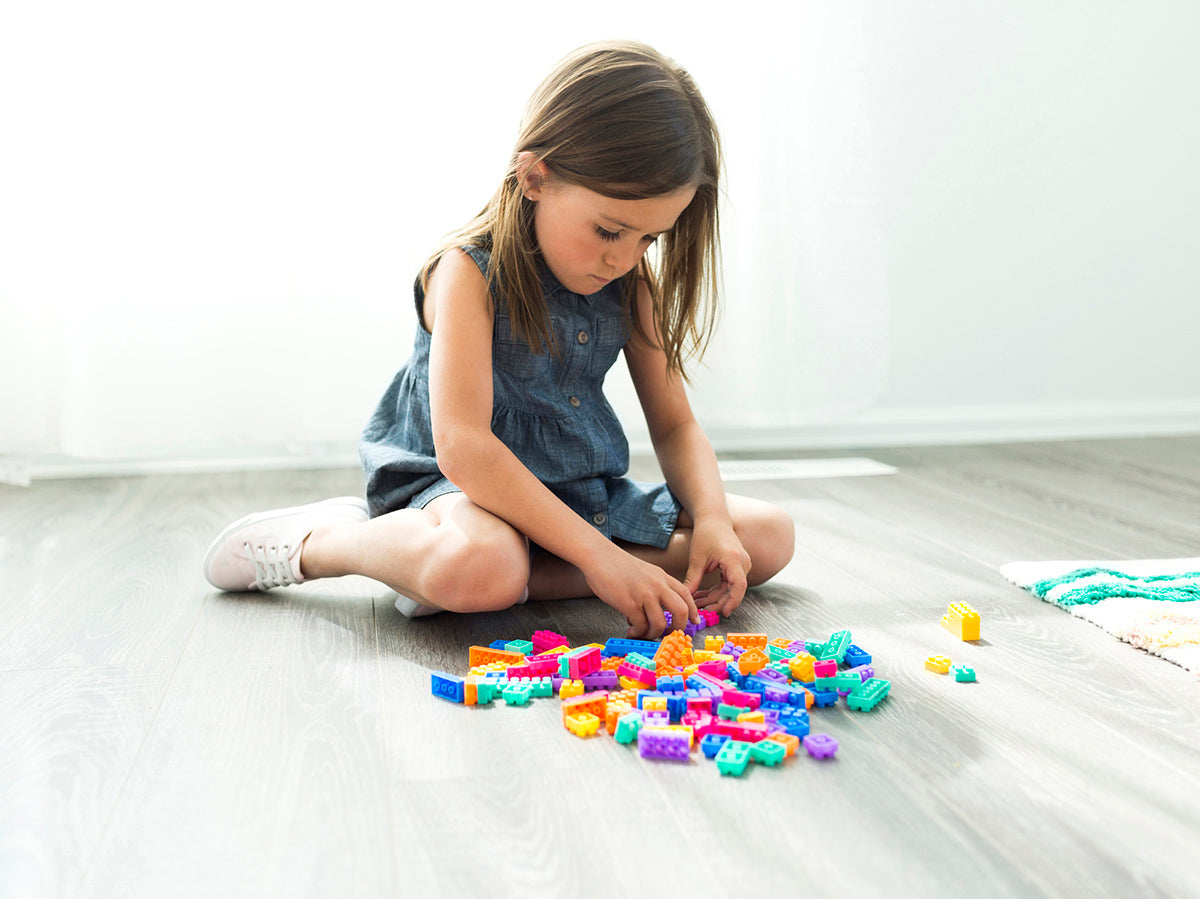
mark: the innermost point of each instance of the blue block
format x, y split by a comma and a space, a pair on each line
498, 644
447, 686
823, 698
621, 646
671, 684
856, 656
711, 744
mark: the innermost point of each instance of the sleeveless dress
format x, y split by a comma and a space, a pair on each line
548, 408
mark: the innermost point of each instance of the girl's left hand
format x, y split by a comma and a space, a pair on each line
716, 548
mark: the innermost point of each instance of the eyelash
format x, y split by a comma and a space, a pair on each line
612, 236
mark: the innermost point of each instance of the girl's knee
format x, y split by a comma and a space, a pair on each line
770, 537
487, 573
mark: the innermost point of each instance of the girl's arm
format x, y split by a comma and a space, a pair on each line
460, 315
690, 467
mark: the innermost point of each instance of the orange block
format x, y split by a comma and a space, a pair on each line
675, 650
485, 655
790, 742
748, 641
589, 703
613, 711
752, 661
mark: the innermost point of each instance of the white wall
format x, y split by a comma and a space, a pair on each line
1041, 187
945, 221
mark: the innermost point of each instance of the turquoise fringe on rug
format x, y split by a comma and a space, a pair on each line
1169, 587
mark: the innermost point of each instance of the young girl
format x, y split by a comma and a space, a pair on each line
495, 468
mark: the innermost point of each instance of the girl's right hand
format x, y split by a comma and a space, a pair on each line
641, 592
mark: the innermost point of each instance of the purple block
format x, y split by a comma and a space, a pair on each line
601, 680
820, 746
663, 744
773, 675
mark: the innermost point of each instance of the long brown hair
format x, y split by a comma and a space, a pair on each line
620, 119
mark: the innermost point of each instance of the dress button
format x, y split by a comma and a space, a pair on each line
599, 519
582, 336
574, 401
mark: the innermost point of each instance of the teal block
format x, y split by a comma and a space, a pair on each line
964, 674
768, 752
869, 694
733, 757
517, 694
835, 647
525, 647
628, 726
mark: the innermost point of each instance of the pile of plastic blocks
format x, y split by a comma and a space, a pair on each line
740, 698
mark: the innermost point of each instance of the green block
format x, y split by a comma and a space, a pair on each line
730, 712
869, 695
964, 674
835, 647
542, 686
778, 653
517, 694
522, 646
733, 757
636, 658
628, 726
768, 752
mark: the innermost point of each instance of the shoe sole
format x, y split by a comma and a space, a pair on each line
255, 517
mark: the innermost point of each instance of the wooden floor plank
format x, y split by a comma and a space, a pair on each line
163, 739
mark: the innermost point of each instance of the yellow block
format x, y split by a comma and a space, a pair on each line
962, 621
940, 664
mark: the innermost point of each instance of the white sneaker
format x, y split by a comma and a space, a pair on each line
262, 550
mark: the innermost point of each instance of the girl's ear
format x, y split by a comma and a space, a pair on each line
532, 175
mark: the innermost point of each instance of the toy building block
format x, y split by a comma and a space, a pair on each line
664, 743
517, 694
796, 724
964, 674
962, 621
789, 742
710, 617
820, 746
570, 689
628, 726
601, 680
623, 646
525, 647
835, 647
800, 666
779, 653
447, 686
613, 712
856, 656
675, 650
939, 664
545, 640
591, 703
713, 643
710, 744
748, 641
768, 752
637, 673
583, 724
868, 694
733, 757
752, 661
485, 655
757, 717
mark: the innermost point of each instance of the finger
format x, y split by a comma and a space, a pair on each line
637, 624
656, 621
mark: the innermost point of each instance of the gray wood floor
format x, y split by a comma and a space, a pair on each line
160, 739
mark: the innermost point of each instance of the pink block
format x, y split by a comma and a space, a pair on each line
585, 663
741, 698
714, 669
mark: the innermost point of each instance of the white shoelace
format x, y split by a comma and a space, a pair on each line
272, 567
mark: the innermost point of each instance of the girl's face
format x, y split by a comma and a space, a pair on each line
588, 239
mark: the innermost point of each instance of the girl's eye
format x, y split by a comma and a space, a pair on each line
607, 235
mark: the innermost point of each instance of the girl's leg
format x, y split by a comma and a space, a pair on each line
766, 532
450, 555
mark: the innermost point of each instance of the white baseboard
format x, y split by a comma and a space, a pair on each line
959, 425
948, 425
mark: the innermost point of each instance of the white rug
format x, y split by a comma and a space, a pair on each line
1141, 600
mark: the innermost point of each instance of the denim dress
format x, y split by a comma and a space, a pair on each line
548, 408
